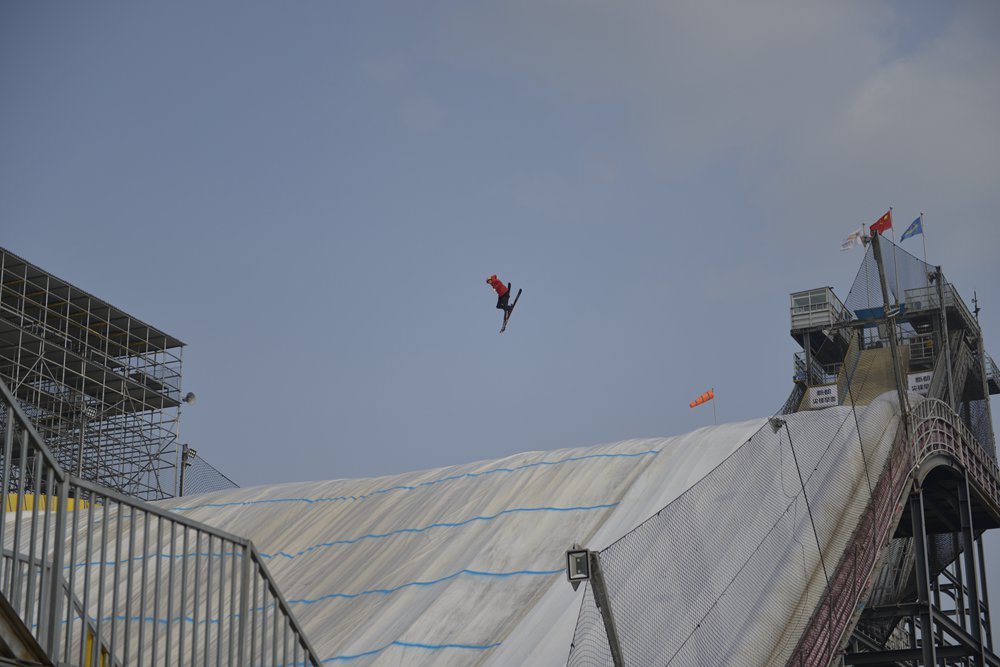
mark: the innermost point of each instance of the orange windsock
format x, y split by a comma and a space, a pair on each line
707, 396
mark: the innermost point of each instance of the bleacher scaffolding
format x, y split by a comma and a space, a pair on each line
100, 386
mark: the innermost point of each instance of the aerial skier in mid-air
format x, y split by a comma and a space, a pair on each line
503, 298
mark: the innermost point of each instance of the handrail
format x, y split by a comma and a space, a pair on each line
926, 298
966, 449
152, 587
817, 372
921, 349
74, 600
939, 380
936, 430
831, 303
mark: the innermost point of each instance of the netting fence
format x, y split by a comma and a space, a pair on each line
903, 272
731, 571
913, 284
202, 477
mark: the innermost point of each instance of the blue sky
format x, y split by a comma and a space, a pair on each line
311, 196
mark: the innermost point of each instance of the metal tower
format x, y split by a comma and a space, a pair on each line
923, 600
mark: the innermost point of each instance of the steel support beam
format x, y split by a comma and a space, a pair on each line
969, 556
944, 635
600, 589
943, 314
891, 611
903, 655
987, 624
921, 570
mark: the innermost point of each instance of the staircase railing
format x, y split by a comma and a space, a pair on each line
936, 430
939, 381
104, 579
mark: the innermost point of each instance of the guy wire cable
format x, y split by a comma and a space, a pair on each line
854, 410
819, 548
737, 574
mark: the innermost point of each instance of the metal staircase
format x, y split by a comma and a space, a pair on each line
98, 578
935, 438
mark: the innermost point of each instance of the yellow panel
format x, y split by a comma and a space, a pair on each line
28, 503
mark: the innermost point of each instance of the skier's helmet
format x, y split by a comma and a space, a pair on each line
492, 279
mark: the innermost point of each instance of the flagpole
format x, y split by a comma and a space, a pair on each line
868, 282
923, 237
895, 264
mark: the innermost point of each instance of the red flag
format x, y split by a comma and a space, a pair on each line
882, 224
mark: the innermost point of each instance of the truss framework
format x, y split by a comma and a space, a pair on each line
102, 387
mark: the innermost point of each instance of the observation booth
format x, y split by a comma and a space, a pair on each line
821, 326
940, 349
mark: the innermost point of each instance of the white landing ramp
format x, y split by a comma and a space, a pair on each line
459, 565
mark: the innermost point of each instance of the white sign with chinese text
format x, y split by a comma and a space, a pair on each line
823, 397
919, 383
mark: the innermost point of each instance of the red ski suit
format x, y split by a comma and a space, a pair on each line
499, 287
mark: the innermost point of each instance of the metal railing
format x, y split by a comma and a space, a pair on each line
817, 308
817, 373
939, 381
922, 352
936, 430
926, 298
103, 579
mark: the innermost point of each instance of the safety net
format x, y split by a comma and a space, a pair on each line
731, 571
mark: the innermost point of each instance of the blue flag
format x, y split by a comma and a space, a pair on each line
916, 227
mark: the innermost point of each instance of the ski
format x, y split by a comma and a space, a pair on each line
506, 316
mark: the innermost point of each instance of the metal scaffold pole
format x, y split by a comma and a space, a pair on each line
604, 605
890, 321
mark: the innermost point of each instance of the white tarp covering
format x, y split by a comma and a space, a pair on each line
459, 565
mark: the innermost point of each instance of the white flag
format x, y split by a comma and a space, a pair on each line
853, 239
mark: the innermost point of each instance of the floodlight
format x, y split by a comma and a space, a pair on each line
190, 398
577, 566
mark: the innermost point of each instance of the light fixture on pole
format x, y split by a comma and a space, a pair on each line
577, 565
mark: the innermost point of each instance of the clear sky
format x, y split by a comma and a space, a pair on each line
311, 196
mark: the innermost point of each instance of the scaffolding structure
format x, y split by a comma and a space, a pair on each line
102, 387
